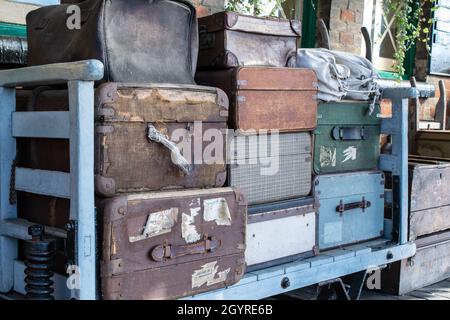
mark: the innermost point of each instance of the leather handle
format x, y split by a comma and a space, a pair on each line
165, 252
343, 207
177, 157
349, 133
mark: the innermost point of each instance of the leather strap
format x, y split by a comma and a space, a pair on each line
343, 207
165, 251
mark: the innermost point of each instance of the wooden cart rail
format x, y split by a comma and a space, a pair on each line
77, 125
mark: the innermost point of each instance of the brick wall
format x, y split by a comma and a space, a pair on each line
207, 7
345, 21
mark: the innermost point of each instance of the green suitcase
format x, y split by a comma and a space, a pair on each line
347, 137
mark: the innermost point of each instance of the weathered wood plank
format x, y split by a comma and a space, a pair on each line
268, 273
271, 286
426, 295
340, 254
297, 266
88, 70
49, 183
82, 206
8, 246
41, 124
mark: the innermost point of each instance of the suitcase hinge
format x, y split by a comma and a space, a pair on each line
107, 93
104, 113
240, 198
113, 267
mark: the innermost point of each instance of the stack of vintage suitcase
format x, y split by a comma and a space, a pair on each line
273, 112
348, 184
168, 226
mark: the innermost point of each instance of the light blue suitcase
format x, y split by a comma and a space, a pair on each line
351, 207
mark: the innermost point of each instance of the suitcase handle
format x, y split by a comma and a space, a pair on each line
363, 204
177, 158
165, 252
349, 133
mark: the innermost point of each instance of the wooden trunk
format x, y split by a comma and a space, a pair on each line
127, 160
261, 98
172, 244
429, 197
430, 265
433, 144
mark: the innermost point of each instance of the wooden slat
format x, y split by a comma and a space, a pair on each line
358, 249
52, 74
425, 295
82, 206
271, 286
41, 124
8, 246
297, 266
269, 273
48, 183
340, 254
319, 260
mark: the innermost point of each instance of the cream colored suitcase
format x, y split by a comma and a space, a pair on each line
280, 233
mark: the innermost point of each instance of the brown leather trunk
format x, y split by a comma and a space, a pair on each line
168, 245
267, 98
126, 159
228, 39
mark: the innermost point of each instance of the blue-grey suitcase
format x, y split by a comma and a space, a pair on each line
351, 207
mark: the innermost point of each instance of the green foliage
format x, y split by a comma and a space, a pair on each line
254, 7
411, 27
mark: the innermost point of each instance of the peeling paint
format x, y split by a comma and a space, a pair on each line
188, 230
209, 275
158, 223
327, 156
217, 210
194, 203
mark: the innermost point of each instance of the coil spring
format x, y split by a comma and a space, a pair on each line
39, 255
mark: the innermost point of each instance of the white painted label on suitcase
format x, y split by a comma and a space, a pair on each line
188, 230
327, 156
209, 274
332, 232
217, 210
158, 223
350, 154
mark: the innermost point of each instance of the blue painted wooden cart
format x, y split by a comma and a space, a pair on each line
77, 125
